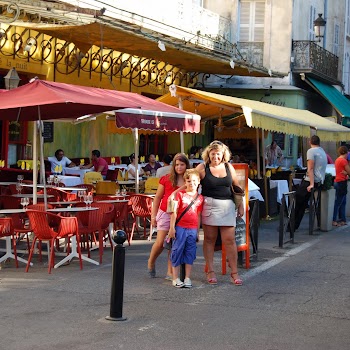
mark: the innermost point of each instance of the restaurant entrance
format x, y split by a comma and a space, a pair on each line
153, 143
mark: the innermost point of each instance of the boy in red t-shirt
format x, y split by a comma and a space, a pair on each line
185, 231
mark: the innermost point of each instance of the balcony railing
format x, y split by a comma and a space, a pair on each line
312, 58
252, 52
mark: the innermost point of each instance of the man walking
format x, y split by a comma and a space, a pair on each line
316, 170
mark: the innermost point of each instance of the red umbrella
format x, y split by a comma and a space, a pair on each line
59, 101
43, 100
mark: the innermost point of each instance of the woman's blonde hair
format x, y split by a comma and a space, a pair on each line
217, 146
182, 158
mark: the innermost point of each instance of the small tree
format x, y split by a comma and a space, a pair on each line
328, 182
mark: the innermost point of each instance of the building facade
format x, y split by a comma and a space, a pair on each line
257, 49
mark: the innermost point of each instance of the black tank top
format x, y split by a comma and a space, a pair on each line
216, 187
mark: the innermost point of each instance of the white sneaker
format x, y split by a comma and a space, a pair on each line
178, 283
187, 283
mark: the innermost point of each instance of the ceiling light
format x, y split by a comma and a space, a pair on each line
172, 89
29, 43
2, 33
220, 125
27, 48
161, 45
232, 64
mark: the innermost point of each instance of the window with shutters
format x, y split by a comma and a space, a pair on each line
336, 39
198, 2
312, 17
348, 18
346, 74
252, 18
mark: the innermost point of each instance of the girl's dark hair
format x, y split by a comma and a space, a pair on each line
173, 176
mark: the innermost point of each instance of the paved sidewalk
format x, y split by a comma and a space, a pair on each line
67, 309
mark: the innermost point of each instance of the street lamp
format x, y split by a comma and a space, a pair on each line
11, 79
319, 27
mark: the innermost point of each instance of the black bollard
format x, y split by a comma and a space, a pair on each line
118, 264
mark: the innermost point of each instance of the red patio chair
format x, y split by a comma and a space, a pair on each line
20, 224
7, 230
141, 207
112, 175
40, 223
90, 222
107, 212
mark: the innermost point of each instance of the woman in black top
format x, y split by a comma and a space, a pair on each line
217, 176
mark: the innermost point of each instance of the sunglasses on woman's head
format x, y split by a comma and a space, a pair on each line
216, 143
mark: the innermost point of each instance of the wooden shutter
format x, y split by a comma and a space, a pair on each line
252, 19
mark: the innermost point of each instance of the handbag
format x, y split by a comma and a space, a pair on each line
168, 242
237, 195
237, 192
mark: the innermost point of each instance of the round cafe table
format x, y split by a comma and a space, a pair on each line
71, 209
30, 195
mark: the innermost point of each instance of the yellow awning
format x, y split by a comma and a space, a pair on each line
258, 114
134, 41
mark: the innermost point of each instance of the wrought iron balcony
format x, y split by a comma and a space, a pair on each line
312, 58
252, 52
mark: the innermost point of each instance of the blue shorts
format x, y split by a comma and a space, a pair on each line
184, 246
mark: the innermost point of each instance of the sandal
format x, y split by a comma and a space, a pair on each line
213, 280
152, 272
342, 223
236, 281
334, 223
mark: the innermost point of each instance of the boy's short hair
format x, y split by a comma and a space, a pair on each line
191, 172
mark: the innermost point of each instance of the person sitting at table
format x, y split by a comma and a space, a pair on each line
98, 163
60, 160
132, 169
273, 154
151, 168
166, 168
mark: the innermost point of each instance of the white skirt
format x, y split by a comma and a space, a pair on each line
218, 212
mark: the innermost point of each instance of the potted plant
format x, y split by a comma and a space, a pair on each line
327, 203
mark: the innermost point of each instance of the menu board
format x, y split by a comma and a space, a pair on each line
240, 232
48, 131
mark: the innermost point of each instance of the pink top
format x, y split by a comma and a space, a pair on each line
168, 190
101, 162
329, 159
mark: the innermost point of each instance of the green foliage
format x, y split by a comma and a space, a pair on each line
328, 182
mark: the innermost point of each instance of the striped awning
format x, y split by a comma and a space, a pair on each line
257, 114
